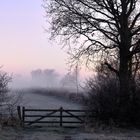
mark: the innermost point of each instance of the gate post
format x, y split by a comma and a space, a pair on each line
61, 116
19, 114
23, 116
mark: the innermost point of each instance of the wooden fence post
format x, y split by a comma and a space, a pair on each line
61, 116
19, 114
23, 116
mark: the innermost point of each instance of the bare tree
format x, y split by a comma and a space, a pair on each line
105, 29
4, 81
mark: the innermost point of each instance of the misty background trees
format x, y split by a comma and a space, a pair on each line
106, 34
47, 78
51, 79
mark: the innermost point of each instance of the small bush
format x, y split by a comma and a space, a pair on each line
8, 101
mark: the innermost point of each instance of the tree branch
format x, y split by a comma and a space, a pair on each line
111, 68
134, 21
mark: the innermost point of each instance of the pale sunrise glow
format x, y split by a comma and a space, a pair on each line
24, 44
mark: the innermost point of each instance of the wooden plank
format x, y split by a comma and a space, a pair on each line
76, 110
23, 116
41, 110
19, 112
55, 116
32, 122
61, 116
70, 110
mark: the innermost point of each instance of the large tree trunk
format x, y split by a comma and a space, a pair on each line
125, 70
124, 76
125, 86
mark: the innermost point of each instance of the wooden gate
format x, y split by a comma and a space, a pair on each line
59, 116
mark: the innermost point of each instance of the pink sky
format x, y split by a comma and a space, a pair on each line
24, 45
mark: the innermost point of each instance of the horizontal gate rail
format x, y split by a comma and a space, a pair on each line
42, 110
55, 116
52, 122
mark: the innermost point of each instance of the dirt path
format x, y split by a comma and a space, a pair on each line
32, 100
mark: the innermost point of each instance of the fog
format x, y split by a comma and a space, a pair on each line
49, 79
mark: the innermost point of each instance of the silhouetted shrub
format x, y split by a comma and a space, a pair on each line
105, 101
8, 101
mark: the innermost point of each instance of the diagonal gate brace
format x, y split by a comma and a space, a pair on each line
42, 117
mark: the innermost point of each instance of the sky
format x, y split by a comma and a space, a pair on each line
24, 43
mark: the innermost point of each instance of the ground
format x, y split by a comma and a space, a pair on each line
52, 133
62, 133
